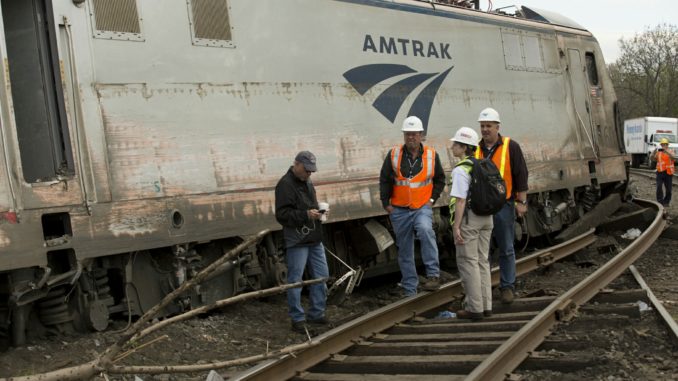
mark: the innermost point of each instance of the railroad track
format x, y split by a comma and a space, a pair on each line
404, 340
650, 173
585, 346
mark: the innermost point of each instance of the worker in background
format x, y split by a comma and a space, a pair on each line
471, 232
410, 182
508, 157
664, 158
296, 209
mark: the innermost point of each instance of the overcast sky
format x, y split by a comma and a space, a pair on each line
608, 20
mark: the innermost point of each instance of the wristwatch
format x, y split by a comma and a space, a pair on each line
432, 201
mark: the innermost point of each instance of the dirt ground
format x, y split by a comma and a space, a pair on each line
256, 326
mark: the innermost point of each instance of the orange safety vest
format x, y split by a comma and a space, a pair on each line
664, 163
501, 159
415, 192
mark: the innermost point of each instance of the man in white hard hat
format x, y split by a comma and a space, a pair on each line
471, 232
508, 157
410, 182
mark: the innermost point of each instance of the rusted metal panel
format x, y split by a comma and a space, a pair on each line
52, 193
151, 160
22, 244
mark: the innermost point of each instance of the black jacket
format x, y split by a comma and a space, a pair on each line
293, 198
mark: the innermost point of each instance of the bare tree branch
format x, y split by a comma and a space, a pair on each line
116, 369
106, 358
225, 302
105, 361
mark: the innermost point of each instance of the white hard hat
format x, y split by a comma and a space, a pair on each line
489, 115
466, 135
412, 124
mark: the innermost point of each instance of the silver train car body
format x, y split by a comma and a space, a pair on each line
141, 138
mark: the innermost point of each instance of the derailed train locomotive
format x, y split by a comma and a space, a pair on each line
143, 139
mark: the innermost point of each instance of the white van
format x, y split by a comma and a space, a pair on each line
642, 136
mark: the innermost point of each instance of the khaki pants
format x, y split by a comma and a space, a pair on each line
473, 263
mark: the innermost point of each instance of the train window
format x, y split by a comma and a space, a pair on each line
116, 19
513, 55
532, 53
210, 23
550, 53
591, 69
525, 51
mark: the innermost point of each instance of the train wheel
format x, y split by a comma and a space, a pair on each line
93, 306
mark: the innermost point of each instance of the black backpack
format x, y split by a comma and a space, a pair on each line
487, 190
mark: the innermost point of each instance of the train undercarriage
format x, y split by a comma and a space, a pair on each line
70, 295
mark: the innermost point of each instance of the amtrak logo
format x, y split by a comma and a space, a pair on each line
389, 102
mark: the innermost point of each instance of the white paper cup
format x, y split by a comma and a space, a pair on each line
326, 207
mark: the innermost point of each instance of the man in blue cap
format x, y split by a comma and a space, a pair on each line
296, 209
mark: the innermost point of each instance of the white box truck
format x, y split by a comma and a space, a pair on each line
642, 136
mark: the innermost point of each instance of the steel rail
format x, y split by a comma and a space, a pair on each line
649, 173
512, 352
657, 305
343, 337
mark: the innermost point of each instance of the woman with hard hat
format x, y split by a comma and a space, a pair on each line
471, 232
665, 169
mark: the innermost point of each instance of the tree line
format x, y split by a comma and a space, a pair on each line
645, 76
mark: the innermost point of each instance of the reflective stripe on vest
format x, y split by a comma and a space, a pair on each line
664, 163
502, 160
415, 192
467, 166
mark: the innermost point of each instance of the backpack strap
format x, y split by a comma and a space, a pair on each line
467, 163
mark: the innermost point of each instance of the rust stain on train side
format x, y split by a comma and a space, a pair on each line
62, 192
134, 220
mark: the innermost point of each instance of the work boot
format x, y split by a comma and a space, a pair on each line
432, 283
474, 316
487, 313
400, 292
506, 296
319, 321
300, 327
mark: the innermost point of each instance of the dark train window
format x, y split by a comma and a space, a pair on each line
591, 69
116, 19
210, 23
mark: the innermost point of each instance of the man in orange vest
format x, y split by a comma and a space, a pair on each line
664, 158
410, 182
508, 157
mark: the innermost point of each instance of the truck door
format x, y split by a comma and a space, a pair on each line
581, 100
44, 143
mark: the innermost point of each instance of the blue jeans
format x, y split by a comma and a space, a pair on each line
297, 259
405, 222
665, 180
504, 235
